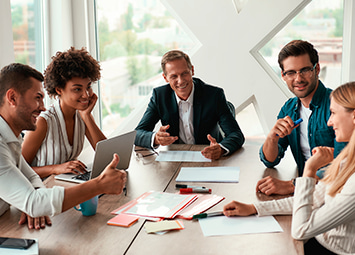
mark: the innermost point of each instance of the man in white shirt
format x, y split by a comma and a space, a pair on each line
21, 101
190, 111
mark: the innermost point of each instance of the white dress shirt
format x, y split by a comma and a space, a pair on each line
20, 186
186, 127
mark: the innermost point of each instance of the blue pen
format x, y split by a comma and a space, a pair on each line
298, 121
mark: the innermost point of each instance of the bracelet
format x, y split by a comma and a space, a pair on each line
293, 181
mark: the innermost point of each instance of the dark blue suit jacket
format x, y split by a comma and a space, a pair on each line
209, 109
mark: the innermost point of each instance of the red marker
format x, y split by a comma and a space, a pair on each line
195, 190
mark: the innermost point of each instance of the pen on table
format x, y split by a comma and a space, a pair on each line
205, 215
295, 123
184, 186
195, 190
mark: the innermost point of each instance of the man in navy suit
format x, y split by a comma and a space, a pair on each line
190, 111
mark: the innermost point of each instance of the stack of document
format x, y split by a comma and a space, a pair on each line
168, 205
157, 204
201, 204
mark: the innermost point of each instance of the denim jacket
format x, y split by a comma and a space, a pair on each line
319, 134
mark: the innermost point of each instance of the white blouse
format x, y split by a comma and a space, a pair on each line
331, 220
55, 148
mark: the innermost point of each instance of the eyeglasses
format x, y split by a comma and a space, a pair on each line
305, 72
145, 156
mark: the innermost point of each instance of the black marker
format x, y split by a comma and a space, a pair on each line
184, 186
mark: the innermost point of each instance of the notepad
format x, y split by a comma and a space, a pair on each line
209, 174
123, 220
181, 156
153, 227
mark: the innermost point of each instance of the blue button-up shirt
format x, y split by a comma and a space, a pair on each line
319, 133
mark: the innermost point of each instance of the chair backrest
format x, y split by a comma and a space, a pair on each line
232, 110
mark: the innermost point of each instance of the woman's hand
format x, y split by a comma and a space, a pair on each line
74, 166
321, 156
88, 110
235, 208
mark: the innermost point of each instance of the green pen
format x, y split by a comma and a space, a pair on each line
205, 215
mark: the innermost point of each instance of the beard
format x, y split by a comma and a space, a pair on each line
310, 87
24, 119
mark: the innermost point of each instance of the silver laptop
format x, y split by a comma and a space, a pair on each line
122, 145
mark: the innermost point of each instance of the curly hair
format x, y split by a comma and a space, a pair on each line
67, 65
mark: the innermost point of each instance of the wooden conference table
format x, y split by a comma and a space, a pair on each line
72, 233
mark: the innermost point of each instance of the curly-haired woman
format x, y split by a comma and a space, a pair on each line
54, 146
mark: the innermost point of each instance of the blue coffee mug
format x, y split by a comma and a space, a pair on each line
89, 207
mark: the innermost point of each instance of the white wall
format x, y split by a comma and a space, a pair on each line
6, 38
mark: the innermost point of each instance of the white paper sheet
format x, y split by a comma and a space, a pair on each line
181, 156
208, 174
222, 225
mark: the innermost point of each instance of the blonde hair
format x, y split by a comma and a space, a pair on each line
344, 95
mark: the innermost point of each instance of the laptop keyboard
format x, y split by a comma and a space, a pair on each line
84, 176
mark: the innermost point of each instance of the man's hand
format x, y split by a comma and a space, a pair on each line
163, 138
36, 223
270, 185
283, 127
235, 208
112, 180
214, 151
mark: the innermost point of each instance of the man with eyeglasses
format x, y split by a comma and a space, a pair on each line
299, 65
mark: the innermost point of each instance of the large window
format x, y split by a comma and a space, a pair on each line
321, 23
133, 35
25, 16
